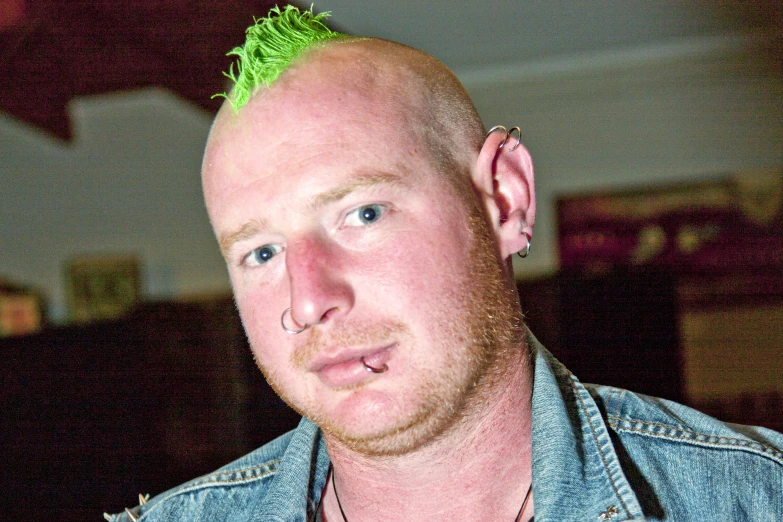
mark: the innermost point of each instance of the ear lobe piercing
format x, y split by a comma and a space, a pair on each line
525, 251
371, 368
290, 330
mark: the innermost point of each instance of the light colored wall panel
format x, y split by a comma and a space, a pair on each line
733, 351
129, 182
640, 118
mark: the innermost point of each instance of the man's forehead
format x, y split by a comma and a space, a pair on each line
344, 104
350, 72
315, 104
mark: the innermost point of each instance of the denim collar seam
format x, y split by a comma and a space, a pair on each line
577, 390
320, 453
212, 481
614, 400
242, 474
670, 432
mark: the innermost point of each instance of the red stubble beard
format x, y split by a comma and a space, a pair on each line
479, 334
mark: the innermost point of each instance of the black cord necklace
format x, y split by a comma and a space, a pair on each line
345, 519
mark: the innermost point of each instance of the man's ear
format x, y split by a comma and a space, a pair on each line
504, 177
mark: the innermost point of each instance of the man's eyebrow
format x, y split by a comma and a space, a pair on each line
371, 179
367, 180
248, 230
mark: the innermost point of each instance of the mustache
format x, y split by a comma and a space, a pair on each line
346, 335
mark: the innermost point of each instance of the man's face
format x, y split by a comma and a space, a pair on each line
326, 203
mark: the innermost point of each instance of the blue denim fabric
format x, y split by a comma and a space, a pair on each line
599, 450
599, 453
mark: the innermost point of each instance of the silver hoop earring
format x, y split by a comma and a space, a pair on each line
519, 137
497, 128
288, 330
372, 369
523, 253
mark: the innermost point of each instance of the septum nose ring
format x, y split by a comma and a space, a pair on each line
287, 329
371, 368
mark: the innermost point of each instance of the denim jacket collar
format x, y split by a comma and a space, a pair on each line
575, 467
290, 498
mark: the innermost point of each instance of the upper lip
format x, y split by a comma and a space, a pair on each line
323, 360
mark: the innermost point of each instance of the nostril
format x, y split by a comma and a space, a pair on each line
329, 313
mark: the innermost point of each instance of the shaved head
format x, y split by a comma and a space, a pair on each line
355, 191
417, 91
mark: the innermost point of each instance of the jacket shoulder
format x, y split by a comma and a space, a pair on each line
248, 473
682, 463
636, 414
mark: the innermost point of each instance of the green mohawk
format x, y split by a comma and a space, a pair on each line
272, 44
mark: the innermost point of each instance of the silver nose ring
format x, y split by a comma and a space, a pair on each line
371, 368
287, 329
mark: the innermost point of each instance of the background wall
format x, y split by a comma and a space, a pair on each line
129, 181
698, 109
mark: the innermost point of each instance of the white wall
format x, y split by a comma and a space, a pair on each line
693, 109
130, 180
128, 183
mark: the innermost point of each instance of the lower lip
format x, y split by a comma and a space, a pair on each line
353, 371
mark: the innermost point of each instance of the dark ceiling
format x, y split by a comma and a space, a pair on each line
54, 50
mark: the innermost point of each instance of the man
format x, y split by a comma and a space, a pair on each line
368, 223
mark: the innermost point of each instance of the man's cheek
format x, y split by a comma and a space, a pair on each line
255, 309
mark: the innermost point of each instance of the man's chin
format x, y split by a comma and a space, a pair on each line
358, 418
386, 437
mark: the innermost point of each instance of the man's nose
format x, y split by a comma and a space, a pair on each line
316, 273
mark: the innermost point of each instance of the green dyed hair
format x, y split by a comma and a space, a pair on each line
272, 44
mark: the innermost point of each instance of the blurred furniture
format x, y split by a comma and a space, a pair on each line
21, 310
617, 329
712, 342
96, 414
674, 291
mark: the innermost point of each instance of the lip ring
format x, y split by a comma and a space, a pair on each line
372, 369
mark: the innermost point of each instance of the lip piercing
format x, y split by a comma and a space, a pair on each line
371, 368
289, 330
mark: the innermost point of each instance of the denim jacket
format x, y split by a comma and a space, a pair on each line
599, 453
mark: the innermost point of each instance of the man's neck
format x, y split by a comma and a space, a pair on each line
479, 470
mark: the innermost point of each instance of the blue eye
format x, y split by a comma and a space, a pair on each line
263, 254
365, 215
369, 214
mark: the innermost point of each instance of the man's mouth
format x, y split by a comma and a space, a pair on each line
346, 367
